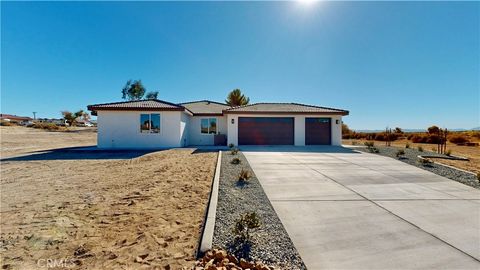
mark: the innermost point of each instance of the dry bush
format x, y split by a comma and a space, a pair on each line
244, 175
235, 161
5, 123
458, 139
47, 126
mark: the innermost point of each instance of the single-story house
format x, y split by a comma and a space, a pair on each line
157, 124
15, 118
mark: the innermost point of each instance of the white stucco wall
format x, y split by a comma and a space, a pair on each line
121, 130
299, 127
185, 129
197, 138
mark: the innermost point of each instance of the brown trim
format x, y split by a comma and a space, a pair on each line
208, 114
285, 113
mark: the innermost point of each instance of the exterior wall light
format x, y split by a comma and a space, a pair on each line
233, 121
336, 121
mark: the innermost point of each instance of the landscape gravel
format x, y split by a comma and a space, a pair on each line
411, 157
271, 243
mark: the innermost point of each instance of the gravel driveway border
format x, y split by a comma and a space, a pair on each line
411, 157
272, 245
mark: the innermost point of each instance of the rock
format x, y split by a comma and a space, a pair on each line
245, 265
209, 263
232, 258
220, 255
208, 256
224, 262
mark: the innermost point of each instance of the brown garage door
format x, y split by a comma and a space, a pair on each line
318, 131
265, 131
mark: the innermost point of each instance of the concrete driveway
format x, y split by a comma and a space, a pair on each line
350, 210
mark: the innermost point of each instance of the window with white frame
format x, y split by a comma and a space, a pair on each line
208, 126
150, 123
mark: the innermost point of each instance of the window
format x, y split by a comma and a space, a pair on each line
208, 125
150, 123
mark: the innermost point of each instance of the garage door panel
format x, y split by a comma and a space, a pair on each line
318, 131
265, 131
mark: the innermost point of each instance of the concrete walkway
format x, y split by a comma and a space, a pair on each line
349, 210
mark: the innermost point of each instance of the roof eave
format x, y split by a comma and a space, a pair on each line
285, 112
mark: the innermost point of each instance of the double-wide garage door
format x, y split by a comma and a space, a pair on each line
265, 131
280, 131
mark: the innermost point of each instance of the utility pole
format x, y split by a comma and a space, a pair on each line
34, 115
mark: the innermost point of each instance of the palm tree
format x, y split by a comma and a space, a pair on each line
236, 98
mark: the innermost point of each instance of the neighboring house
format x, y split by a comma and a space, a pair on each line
15, 118
158, 124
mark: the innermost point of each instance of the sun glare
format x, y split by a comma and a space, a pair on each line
307, 2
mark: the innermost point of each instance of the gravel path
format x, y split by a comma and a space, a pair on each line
411, 157
272, 245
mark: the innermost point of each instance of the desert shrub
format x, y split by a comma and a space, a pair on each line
400, 153
369, 144
420, 149
418, 138
358, 136
424, 161
475, 134
458, 139
231, 145
235, 161
354, 142
380, 137
243, 227
407, 145
448, 152
434, 149
433, 138
47, 126
234, 151
244, 175
478, 176
5, 123
427, 138
373, 150
433, 130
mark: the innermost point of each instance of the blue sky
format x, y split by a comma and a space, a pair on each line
407, 64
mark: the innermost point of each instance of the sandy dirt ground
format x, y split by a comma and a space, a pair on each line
98, 210
470, 152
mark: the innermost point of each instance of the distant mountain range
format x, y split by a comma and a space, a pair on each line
414, 130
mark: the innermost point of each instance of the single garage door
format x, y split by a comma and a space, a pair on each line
318, 131
265, 130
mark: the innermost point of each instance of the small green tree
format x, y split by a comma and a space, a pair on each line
247, 223
236, 98
133, 90
151, 95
